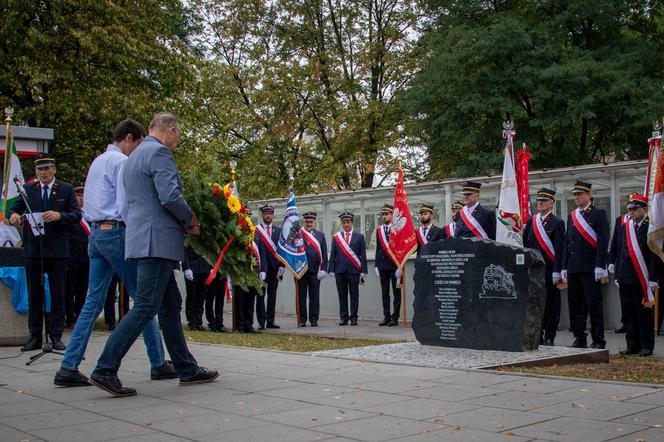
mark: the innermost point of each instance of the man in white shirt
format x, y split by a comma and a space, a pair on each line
107, 256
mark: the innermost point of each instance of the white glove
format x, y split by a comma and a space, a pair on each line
556, 278
189, 274
652, 285
563, 274
377, 271
599, 273
615, 281
612, 268
322, 274
331, 274
280, 272
363, 275
262, 276
398, 273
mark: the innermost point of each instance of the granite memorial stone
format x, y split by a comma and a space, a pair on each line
480, 294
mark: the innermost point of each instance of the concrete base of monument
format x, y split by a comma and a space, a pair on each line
416, 354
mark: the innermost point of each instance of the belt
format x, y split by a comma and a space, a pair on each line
109, 223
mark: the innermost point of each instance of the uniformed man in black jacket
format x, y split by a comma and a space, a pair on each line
613, 250
245, 299
56, 202
427, 232
309, 283
268, 235
196, 271
636, 276
449, 229
584, 266
474, 220
78, 266
386, 269
546, 233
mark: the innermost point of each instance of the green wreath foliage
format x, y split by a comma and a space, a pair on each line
218, 225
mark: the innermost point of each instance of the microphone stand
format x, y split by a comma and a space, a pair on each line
47, 347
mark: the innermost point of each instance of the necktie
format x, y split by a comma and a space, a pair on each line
424, 232
45, 196
347, 238
269, 233
387, 233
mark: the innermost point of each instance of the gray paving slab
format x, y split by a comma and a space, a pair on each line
359, 399
271, 432
196, 426
654, 398
315, 415
538, 385
653, 417
378, 428
10, 434
95, 431
52, 419
649, 435
613, 391
460, 434
524, 401
250, 404
151, 437
574, 430
478, 379
150, 415
31, 407
422, 409
445, 392
306, 391
497, 420
589, 408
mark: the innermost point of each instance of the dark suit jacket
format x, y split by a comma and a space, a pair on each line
383, 260
579, 256
613, 249
340, 264
486, 218
625, 270
272, 262
434, 233
261, 253
555, 229
313, 262
56, 237
195, 262
78, 244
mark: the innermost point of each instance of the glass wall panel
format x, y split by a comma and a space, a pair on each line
352, 204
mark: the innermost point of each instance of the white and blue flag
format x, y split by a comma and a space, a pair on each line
291, 247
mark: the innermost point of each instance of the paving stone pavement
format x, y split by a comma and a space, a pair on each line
277, 396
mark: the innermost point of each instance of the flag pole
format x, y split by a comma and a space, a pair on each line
8, 127
404, 307
291, 180
233, 165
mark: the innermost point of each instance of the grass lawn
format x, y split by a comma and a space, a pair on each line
619, 368
273, 341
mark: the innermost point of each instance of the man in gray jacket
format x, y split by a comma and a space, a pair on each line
157, 217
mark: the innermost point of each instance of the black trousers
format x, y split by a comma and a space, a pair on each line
266, 304
111, 297
56, 269
309, 286
348, 285
244, 305
639, 320
76, 289
551, 317
195, 300
214, 302
387, 278
585, 299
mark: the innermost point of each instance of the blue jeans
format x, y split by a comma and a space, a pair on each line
106, 250
156, 293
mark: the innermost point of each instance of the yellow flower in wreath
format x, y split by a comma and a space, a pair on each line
233, 204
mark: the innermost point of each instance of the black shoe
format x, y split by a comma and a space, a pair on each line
219, 329
250, 330
112, 385
547, 343
302, 324
166, 371
261, 326
110, 327
314, 324
272, 325
58, 344
629, 352
622, 329
384, 323
579, 343
645, 353
344, 322
598, 345
353, 322
202, 376
34, 343
393, 323
70, 378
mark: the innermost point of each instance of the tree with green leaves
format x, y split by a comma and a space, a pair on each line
81, 66
308, 85
582, 80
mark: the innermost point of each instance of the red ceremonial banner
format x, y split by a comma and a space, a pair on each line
403, 239
522, 158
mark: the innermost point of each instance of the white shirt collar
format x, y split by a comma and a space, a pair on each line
545, 215
581, 210
49, 185
473, 207
343, 232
